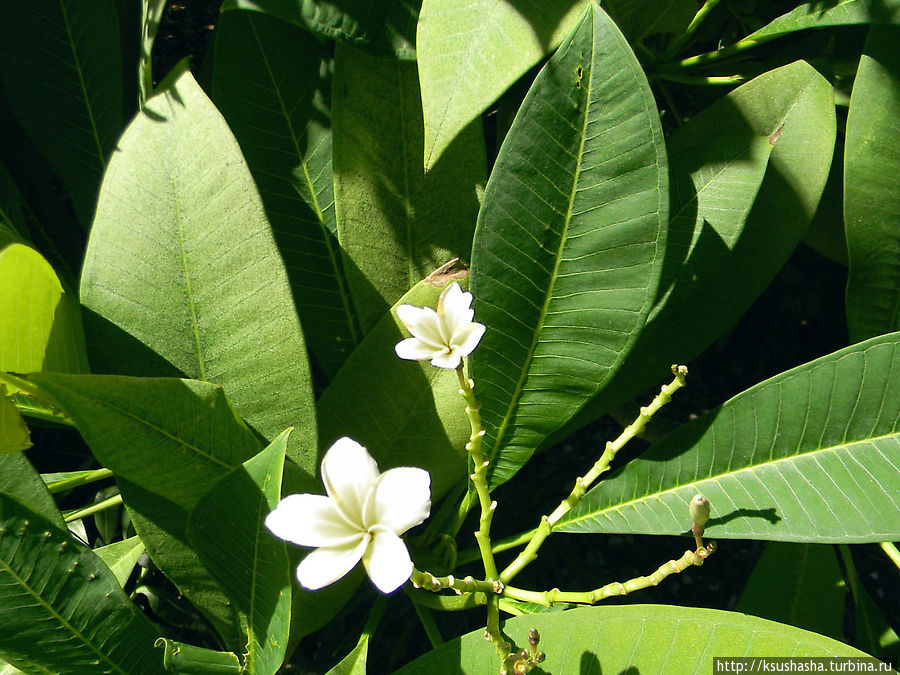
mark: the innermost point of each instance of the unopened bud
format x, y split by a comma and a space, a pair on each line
534, 637
699, 510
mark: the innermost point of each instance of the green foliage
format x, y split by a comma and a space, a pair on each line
625, 183
647, 638
573, 220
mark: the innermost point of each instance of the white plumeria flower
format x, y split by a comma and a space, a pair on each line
362, 518
444, 336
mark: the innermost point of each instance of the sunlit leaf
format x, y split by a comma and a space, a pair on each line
570, 240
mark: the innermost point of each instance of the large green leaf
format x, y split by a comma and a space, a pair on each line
228, 531
18, 479
387, 26
272, 83
746, 175
810, 455
872, 188
797, 584
121, 557
570, 241
405, 413
633, 639
194, 439
60, 606
471, 52
819, 14
60, 65
41, 322
639, 18
395, 222
181, 257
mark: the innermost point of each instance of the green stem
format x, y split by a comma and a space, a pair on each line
547, 598
471, 555
700, 80
107, 503
719, 54
679, 42
81, 479
582, 483
479, 475
891, 551
429, 582
448, 603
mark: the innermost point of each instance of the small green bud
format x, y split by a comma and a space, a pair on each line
699, 510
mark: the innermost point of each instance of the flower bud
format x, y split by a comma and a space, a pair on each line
699, 510
534, 637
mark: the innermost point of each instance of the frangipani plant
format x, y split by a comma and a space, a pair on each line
237, 362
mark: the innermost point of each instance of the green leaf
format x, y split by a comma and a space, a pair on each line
405, 413
872, 188
746, 175
121, 557
826, 234
395, 223
19, 480
179, 657
14, 433
272, 83
387, 26
181, 257
634, 638
60, 66
810, 455
60, 606
151, 15
797, 584
570, 240
190, 453
819, 14
12, 219
471, 52
355, 662
41, 322
638, 19
227, 528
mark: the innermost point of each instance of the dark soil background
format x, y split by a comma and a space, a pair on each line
798, 318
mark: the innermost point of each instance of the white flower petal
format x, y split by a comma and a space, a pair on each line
401, 499
310, 520
349, 473
414, 349
387, 560
453, 307
326, 565
422, 323
467, 338
449, 359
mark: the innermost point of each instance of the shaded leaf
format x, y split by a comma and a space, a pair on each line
179, 657
387, 26
60, 66
639, 18
797, 584
872, 188
228, 531
41, 322
395, 223
746, 175
405, 413
61, 607
181, 258
810, 455
14, 433
19, 480
471, 52
635, 638
570, 240
819, 14
272, 83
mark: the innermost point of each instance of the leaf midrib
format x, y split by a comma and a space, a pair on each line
718, 477
535, 338
62, 621
317, 209
76, 62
